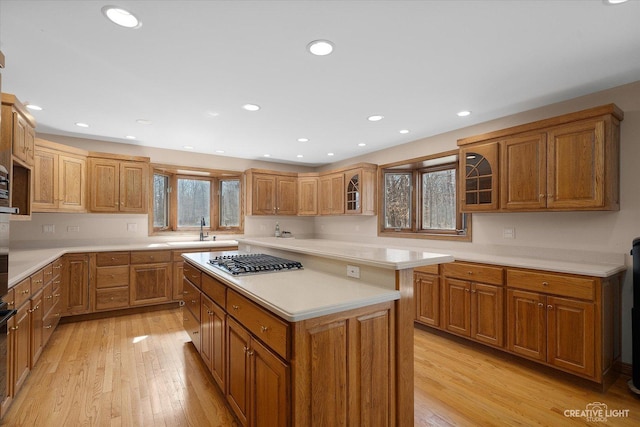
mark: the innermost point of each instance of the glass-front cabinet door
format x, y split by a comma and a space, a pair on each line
479, 165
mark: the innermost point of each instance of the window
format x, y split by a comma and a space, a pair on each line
181, 200
419, 199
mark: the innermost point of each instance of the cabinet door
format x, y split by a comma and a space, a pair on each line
36, 328
527, 324
192, 326
571, 335
206, 310
427, 297
287, 196
45, 181
75, 284
178, 268
30, 144
308, 196
72, 183
353, 181
269, 386
332, 194
479, 183
238, 341
487, 314
213, 328
150, 284
104, 185
576, 160
134, 177
264, 195
21, 342
524, 172
457, 306
20, 126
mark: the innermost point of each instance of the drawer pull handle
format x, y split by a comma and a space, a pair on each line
545, 283
57, 267
469, 273
550, 307
48, 327
56, 295
185, 292
194, 275
250, 353
196, 332
193, 301
49, 297
14, 328
245, 349
540, 304
235, 307
26, 291
56, 315
264, 328
466, 290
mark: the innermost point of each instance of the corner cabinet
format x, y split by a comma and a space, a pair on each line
118, 184
360, 191
59, 178
568, 162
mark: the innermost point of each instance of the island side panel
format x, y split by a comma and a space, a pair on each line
404, 348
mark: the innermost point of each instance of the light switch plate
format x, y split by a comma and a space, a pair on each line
508, 233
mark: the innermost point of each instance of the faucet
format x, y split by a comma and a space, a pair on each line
202, 235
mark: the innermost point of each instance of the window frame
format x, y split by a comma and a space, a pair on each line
215, 177
417, 167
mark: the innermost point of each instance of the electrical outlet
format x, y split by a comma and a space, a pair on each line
132, 227
353, 271
73, 229
508, 233
48, 228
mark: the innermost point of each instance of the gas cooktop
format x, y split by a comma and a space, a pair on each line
253, 263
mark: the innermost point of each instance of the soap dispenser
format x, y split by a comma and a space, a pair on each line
277, 229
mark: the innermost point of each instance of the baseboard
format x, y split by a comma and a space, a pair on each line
625, 369
122, 312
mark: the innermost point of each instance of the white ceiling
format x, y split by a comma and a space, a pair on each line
193, 64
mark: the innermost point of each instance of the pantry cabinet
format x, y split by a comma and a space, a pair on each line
569, 162
271, 193
118, 185
59, 178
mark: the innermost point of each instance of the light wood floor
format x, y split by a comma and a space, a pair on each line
140, 370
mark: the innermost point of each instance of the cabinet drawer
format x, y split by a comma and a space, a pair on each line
105, 259
49, 323
112, 277
47, 298
111, 298
37, 281
192, 326
193, 274
265, 326
146, 257
429, 269
191, 296
56, 267
474, 272
557, 284
22, 292
214, 289
48, 273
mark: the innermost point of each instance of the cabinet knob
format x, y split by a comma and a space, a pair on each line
196, 332
193, 301
549, 307
473, 291
264, 328
26, 291
245, 348
48, 327
466, 290
49, 297
540, 304
56, 295
14, 328
250, 353
545, 283
469, 273
235, 307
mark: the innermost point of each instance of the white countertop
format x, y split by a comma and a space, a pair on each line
373, 255
299, 294
24, 262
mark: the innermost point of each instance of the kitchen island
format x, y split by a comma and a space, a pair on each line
311, 346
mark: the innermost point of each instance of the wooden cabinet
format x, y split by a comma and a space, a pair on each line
426, 284
75, 284
111, 289
150, 278
36, 328
118, 185
332, 194
212, 333
52, 300
258, 381
18, 135
479, 183
360, 191
568, 162
271, 193
308, 195
19, 327
59, 178
558, 330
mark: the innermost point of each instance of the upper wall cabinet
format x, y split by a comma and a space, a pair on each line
271, 193
569, 162
118, 183
308, 194
360, 191
59, 178
17, 136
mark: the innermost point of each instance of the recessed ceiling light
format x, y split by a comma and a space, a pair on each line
464, 113
362, 144
251, 107
144, 121
130, 137
299, 156
121, 17
403, 131
82, 125
375, 118
329, 154
34, 107
267, 155
303, 139
212, 114
220, 151
614, 1
187, 147
320, 47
